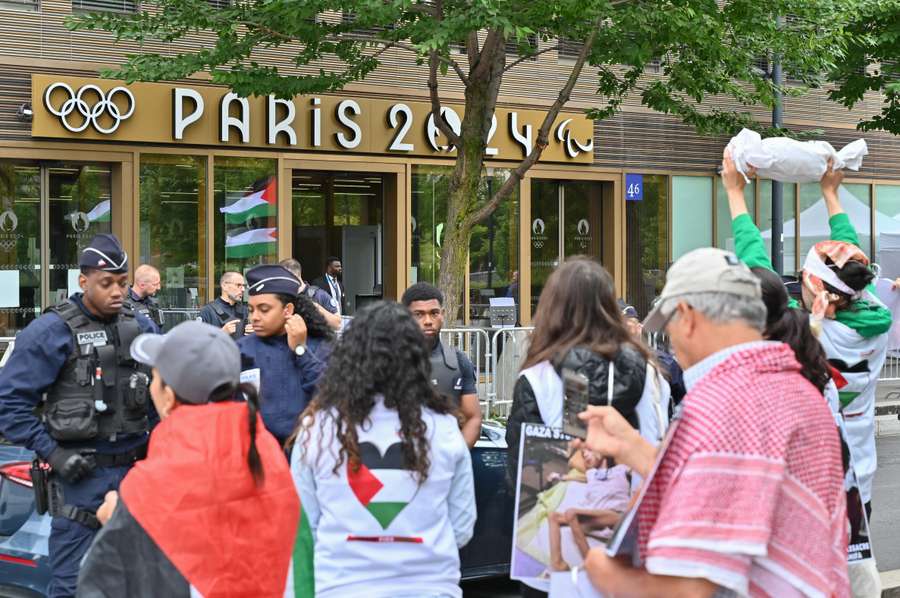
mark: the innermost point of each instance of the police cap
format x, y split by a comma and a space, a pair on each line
104, 252
275, 280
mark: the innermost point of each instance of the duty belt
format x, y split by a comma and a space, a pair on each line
121, 459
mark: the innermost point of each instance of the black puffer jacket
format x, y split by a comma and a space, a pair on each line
628, 387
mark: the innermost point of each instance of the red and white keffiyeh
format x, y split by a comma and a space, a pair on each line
749, 494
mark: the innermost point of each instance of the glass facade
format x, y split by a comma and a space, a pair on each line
692, 211
493, 248
340, 215
856, 202
788, 220
647, 243
20, 245
173, 226
724, 237
245, 213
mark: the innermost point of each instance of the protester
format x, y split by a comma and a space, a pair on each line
786, 322
748, 498
212, 508
331, 283
287, 352
578, 323
71, 393
853, 323
452, 373
142, 295
383, 472
328, 307
228, 311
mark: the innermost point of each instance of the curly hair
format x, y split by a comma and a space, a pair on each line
381, 352
304, 307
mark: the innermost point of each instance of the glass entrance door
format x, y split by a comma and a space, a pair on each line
48, 213
566, 217
340, 215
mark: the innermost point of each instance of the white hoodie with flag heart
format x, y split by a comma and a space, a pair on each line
376, 531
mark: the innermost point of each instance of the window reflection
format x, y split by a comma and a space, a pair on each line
20, 245
173, 226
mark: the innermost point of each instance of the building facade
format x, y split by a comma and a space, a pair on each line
197, 181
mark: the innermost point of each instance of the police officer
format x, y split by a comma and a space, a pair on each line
282, 358
95, 422
142, 296
228, 311
326, 303
453, 374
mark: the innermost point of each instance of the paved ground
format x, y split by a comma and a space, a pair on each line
885, 504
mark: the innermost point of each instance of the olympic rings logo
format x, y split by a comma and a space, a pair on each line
76, 102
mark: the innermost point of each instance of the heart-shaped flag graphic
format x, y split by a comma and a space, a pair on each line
382, 484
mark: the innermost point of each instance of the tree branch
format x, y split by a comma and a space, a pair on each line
543, 133
442, 124
531, 57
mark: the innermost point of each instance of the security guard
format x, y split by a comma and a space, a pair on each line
74, 362
228, 311
453, 374
142, 296
281, 358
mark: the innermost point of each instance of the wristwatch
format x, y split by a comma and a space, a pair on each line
300, 350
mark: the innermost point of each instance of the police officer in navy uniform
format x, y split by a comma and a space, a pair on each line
74, 362
228, 311
142, 296
328, 307
282, 358
452, 373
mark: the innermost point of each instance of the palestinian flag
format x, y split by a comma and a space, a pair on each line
191, 522
259, 204
100, 213
382, 484
251, 243
301, 575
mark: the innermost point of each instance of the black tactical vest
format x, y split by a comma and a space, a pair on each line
101, 392
240, 313
445, 373
148, 309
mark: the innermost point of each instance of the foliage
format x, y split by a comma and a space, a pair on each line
872, 63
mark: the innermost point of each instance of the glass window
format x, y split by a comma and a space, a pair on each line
788, 221
173, 226
246, 208
692, 198
493, 247
647, 243
80, 207
494, 251
20, 245
340, 215
887, 229
545, 213
814, 226
724, 238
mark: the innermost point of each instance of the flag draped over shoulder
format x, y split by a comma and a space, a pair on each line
193, 514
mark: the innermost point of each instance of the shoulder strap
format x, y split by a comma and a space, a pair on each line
450, 358
220, 311
71, 314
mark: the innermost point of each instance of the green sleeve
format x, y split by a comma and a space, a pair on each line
842, 229
866, 318
748, 243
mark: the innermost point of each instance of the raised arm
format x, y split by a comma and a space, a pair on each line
748, 242
841, 227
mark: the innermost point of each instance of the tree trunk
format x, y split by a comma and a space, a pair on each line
462, 203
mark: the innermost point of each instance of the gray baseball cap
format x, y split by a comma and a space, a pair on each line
193, 358
707, 270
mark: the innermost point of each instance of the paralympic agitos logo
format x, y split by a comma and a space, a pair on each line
89, 106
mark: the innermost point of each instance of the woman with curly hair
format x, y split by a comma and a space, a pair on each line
383, 472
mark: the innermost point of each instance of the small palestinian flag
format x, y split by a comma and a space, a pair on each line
259, 204
251, 243
381, 483
191, 522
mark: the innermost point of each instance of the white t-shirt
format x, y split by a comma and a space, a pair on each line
377, 532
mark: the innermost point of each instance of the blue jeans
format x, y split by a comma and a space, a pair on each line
69, 540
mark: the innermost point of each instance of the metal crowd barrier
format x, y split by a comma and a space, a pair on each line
890, 371
508, 349
475, 343
174, 316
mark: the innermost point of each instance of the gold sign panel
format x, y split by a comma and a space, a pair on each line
107, 110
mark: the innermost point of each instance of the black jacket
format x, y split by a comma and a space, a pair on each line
322, 283
628, 387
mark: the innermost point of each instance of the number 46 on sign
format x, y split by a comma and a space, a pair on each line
634, 187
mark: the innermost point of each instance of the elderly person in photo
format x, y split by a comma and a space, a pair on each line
748, 499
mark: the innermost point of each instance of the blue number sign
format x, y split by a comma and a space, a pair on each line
634, 187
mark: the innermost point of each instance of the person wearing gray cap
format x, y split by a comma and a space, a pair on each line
212, 507
748, 497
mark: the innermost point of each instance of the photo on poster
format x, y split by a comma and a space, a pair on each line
567, 502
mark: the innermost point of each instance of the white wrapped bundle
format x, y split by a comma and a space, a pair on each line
791, 161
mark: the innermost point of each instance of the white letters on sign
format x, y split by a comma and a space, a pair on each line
242, 124
283, 126
181, 121
344, 119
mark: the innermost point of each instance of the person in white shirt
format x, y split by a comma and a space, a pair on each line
383, 472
